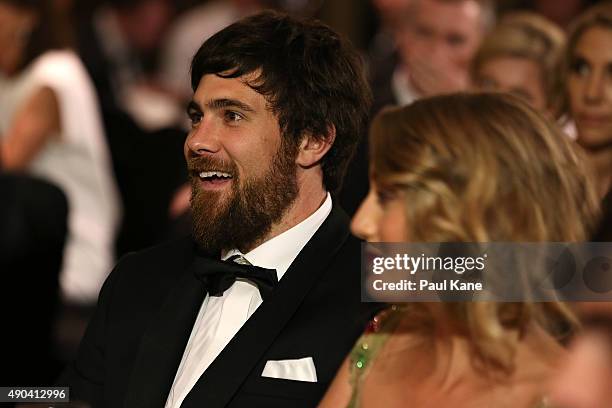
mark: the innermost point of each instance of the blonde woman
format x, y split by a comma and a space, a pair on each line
585, 380
586, 80
521, 57
467, 168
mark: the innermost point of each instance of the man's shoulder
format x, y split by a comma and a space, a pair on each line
336, 230
141, 279
166, 258
351, 246
347, 258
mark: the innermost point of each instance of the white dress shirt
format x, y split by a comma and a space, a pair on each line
220, 317
402, 89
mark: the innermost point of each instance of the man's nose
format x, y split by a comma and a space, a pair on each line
204, 138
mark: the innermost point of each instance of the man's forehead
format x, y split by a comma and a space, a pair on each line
464, 11
214, 86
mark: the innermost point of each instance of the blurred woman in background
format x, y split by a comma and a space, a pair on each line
521, 57
585, 378
586, 82
467, 168
50, 126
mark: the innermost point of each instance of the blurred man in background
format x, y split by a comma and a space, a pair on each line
436, 42
118, 46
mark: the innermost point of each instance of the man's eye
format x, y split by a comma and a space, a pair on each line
195, 117
486, 83
455, 40
423, 32
233, 117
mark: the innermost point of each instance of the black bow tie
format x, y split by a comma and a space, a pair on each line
217, 276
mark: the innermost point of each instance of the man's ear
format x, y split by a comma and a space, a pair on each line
313, 148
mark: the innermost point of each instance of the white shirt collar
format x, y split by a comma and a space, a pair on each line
402, 89
280, 252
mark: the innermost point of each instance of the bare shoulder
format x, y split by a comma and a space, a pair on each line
339, 392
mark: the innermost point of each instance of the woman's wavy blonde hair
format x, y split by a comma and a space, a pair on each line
530, 36
485, 167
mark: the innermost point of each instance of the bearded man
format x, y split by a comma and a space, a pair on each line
259, 307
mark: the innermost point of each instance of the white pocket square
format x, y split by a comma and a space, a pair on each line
302, 369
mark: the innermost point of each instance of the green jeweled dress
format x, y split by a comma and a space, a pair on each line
369, 345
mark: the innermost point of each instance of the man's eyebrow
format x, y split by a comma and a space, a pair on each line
228, 103
193, 106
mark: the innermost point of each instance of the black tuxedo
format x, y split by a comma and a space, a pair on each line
147, 307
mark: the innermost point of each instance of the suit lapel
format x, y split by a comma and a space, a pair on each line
223, 378
163, 343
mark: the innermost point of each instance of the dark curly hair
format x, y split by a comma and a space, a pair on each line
311, 77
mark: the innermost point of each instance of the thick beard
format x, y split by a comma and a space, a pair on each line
241, 220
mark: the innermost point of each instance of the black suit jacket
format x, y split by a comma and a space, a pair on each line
147, 307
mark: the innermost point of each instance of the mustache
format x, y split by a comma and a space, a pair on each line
196, 165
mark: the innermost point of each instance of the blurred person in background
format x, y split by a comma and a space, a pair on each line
438, 165
436, 42
521, 56
560, 12
382, 59
50, 126
186, 34
118, 45
390, 14
585, 378
586, 84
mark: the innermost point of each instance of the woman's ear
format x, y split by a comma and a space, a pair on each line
314, 147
